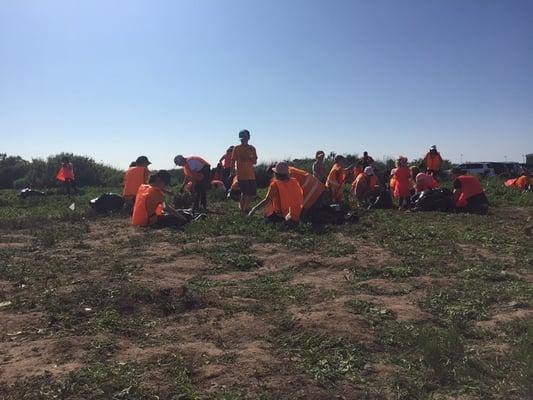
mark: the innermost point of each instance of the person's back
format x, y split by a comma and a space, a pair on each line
424, 182
134, 177
402, 176
287, 198
469, 195
523, 182
245, 157
148, 199
311, 186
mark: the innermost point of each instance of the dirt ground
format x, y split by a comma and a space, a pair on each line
136, 315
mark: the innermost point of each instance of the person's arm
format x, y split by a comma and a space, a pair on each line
233, 161
254, 156
260, 205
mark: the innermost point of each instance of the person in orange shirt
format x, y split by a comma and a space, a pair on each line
402, 186
135, 176
336, 182
243, 160
468, 194
366, 186
198, 172
523, 182
433, 161
150, 208
285, 197
66, 175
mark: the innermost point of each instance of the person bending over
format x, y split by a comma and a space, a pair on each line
150, 208
469, 195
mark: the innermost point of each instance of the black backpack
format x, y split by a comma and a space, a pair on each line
107, 202
433, 200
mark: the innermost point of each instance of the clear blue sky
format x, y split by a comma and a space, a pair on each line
117, 79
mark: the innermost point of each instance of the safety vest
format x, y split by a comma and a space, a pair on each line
195, 176
470, 186
433, 161
336, 181
522, 182
66, 172
311, 186
141, 215
133, 179
290, 199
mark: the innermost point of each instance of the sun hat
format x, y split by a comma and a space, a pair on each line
369, 171
281, 168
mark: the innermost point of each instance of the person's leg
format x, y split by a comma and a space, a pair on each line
67, 186
196, 191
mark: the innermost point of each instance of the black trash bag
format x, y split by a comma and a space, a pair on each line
334, 214
107, 202
433, 200
382, 201
27, 192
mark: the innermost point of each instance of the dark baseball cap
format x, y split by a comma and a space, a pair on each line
244, 134
142, 160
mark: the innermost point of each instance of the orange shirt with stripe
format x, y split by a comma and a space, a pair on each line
311, 186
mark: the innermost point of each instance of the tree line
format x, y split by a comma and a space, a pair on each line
17, 173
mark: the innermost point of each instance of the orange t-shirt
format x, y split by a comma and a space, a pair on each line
148, 199
245, 157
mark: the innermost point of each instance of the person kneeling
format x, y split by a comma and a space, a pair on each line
468, 193
150, 209
284, 199
366, 187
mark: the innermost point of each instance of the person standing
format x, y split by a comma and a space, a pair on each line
433, 161
319, 169
198, 172
225, 161
243, 160
66, 175
366, 160
402, 186
135, 176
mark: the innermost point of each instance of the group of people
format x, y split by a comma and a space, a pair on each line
293, 194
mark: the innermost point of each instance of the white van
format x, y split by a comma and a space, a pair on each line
478, 168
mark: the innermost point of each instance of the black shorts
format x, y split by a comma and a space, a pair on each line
248, 187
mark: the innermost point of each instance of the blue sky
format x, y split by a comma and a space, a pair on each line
117, 79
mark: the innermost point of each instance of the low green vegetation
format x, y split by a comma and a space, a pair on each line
398, 306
